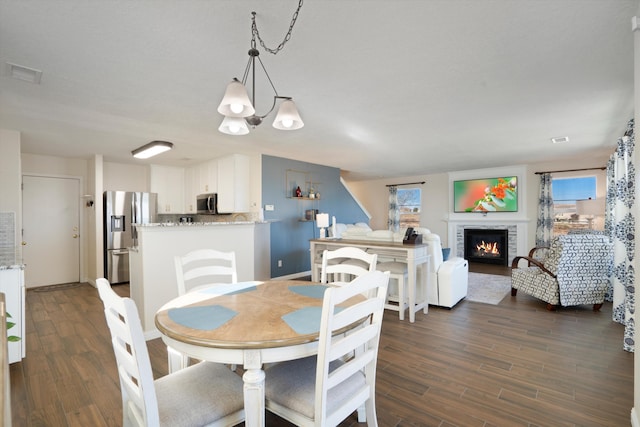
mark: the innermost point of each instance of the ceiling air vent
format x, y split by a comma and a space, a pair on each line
560, 139
23, 73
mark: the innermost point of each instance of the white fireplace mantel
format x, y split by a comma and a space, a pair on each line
518, 232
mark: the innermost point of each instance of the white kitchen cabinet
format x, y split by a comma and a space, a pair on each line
168, 182
191, 182
12, 285
199, 179
233, 184
208, 177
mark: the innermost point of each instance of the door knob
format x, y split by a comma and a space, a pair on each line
24, 243
75, 236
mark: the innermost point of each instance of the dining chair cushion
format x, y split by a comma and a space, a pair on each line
292, 385
208, 390
394, 267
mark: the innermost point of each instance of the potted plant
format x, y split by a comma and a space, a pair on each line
11, 338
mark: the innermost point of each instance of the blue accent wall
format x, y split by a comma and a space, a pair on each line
290, 236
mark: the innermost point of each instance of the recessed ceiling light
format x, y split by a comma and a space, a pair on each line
560, 139
23, 73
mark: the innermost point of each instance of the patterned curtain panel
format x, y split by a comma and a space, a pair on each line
394, 211
544, 227
620, 226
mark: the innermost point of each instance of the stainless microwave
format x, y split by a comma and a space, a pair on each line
207, 203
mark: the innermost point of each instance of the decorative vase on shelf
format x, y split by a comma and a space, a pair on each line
298, 192
312, 193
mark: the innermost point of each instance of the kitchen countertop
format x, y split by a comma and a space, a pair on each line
12, 267
200, 224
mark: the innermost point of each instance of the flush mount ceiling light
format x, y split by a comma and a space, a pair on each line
151, 149
239, 110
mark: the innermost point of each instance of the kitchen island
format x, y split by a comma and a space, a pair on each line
152, 276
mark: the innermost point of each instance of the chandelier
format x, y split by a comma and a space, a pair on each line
239, 111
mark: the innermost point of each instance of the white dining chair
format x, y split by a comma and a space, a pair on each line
325, 389
196, 270
204, 267
343, 264
202, 394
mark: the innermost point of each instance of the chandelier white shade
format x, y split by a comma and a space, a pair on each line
236, 102
288, 117
234, 126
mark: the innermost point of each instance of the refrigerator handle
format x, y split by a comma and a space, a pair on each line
134, 216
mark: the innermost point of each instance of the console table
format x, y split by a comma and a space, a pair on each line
416, 257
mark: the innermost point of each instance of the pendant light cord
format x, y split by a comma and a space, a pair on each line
255, 33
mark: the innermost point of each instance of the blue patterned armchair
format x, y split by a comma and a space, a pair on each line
574, 270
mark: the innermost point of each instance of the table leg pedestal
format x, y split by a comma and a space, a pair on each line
254, 397
253, 378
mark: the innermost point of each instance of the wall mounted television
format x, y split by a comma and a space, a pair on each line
486, 195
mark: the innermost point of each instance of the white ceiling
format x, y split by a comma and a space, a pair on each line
385, 88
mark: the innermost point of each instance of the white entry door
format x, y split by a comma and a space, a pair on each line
51, 230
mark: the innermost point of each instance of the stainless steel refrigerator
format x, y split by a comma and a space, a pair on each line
122, 210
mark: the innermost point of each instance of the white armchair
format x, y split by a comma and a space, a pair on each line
449, 279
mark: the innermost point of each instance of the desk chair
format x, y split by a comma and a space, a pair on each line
202, 394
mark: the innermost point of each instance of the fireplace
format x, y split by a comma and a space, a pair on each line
488, 246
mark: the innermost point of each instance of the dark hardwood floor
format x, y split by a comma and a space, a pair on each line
512, 364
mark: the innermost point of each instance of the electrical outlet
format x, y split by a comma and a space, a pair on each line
268, 207
279, 263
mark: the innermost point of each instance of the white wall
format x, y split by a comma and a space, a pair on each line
125, 177
374, 196
54, 166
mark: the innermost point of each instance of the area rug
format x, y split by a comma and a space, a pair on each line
488, 288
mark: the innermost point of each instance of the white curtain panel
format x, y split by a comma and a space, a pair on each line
620, 227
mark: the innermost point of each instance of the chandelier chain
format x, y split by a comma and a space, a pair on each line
255, 33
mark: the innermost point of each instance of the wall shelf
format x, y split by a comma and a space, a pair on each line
295, 179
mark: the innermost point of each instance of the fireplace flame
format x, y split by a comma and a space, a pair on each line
490, 248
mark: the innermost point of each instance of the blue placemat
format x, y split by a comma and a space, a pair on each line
306, 320
204, 318
313, 291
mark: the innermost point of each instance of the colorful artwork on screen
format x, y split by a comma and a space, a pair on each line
486, 195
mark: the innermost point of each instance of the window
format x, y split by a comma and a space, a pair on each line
566, 191
409, 202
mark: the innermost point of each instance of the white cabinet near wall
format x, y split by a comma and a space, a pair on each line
12, 285
191, 180
233, 184
168, 182
208, 177
199, 179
